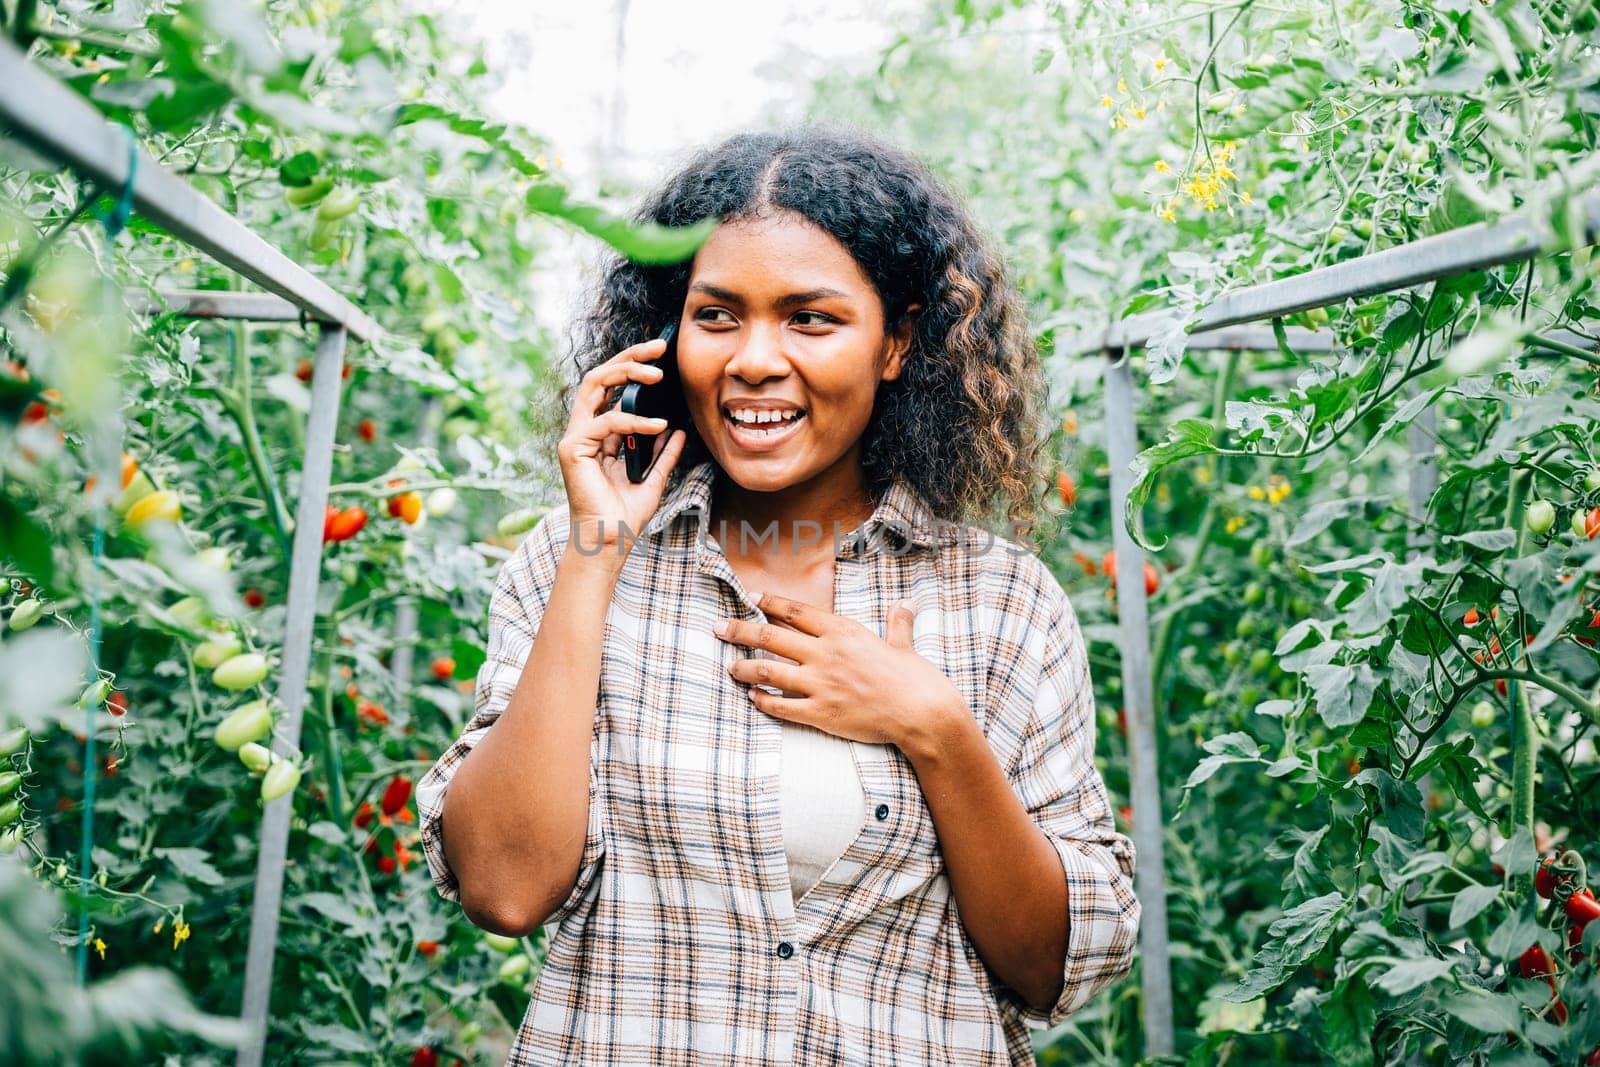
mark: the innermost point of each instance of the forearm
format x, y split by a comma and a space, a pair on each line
1007, 878
517, 810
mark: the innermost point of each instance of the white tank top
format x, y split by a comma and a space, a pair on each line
822, 800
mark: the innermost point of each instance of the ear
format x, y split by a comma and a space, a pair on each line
899, 342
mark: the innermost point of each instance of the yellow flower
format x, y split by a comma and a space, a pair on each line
1276, 494
1106, 101
1160, 64
1077, 215
100, 947
1238, 109
1138, 112
1210, 204
1245, 197
1122, 86
1235, 524
180, 933
159, 924
1120, 122
539, 162
1167, 215
1161, 105
1161, 167
1255, 492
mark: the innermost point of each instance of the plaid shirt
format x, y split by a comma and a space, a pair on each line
681, 941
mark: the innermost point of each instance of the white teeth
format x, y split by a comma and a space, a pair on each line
764, 416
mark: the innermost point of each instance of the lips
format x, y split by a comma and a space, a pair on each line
762, 436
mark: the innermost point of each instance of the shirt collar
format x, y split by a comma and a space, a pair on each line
900, 513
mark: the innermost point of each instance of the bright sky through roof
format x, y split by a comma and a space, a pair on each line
689, 72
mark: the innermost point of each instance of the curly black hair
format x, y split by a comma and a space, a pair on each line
972, 373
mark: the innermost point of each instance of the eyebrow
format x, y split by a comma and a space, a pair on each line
791, 300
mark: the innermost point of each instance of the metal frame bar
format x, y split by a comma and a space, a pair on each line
1475, 247
215, 304
52, 119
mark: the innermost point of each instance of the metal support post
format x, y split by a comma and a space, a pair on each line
304, 570
1133, 622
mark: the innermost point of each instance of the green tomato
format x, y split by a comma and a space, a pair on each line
1254, 594
338, 204
1539, 516
256, 757
441, 501
215, 560
210, 654
1260, 660
95, 695
10, 812
517, 522
1211, 699
514, 967
191, 613
13, 741
10, 782
501, 943
1250, 696
1247, 625
241, 672
10, 839
1580, 526
281, 778
1261, 554
1232, 654
1483, 714
1591, 480
323, 231
471, 1032
249, 723
26, 614
306, 195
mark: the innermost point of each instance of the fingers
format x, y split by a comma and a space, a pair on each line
789, 644
620, 369
667, 454
785, 676
802, 617
902, 620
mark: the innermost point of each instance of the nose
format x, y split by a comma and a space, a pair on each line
759, 356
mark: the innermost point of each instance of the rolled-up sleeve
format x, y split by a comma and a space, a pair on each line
515, 609
1054, 774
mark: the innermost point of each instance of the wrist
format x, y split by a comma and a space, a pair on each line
599, 564
934, 738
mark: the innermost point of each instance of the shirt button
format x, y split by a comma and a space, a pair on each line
882, 812
785, 950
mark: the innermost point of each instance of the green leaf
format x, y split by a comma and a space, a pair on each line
1342, 693
1348, 1016
1489, 1013
191, 863
1412, 974
1470, 902
647, 242
1190, 437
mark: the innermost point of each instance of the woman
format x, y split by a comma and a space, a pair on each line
799, 760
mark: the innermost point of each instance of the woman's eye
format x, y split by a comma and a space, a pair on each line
817, 318
707, 313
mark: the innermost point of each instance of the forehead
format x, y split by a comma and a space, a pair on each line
775, 254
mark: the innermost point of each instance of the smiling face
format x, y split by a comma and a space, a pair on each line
780, 323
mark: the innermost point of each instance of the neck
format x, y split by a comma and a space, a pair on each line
794, 523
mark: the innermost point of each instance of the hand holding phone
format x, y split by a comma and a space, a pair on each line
662, 399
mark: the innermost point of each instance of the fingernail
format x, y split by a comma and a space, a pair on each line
720, 628
756, 595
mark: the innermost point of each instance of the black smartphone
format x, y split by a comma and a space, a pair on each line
662, 399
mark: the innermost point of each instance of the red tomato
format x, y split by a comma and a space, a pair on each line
1065, 486
1582, 908
368, 430
363, 818
428, 948
386, 864
1544, 878
1535, 962
255, 598
424, 1057
117, 703
444, 667
1471, 618
395, 795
